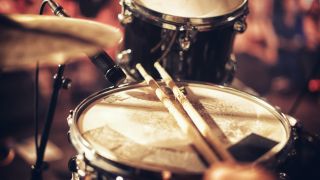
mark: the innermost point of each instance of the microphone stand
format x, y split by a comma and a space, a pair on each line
59, 82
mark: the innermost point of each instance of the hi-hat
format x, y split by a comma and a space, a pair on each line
25, 39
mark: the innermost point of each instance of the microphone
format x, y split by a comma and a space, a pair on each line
57, 9
112, 72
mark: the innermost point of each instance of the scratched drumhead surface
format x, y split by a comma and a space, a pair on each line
192, 8
131, 126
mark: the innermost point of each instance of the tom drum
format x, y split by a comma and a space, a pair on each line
192, 39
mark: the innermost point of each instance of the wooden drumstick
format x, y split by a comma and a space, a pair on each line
195, 116
181, 118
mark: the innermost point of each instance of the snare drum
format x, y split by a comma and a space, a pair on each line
127, 132
192, 39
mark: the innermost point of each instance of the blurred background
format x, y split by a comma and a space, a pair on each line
277, 56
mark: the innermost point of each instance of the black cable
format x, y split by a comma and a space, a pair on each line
43, 5
167, 50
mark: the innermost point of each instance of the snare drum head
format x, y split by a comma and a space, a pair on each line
130, 126
192, 8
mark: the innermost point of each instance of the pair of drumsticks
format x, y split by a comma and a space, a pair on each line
188, 118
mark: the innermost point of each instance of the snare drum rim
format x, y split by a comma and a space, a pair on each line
180, 23
125, 169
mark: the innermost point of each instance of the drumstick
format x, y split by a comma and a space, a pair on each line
195, 116
181, 118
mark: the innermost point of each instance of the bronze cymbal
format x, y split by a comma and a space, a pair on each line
51, 40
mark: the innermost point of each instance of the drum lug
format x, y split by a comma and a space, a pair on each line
184, 43
188, 28
73, 164
125, 17
69, 118
283, 176
240, 26
124, 57
230, 67
78, 168
69, 137
185, 39
70, 113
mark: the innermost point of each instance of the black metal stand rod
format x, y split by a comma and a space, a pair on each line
38, 167
303, 92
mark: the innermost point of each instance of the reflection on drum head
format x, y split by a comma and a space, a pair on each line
129, 126
192, 8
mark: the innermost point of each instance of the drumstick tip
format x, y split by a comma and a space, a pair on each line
156, 64
138, 65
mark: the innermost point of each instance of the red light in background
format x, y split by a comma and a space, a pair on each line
314, 85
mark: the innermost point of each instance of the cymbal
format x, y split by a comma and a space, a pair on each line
51, 40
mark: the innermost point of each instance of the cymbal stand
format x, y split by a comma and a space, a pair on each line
59, 82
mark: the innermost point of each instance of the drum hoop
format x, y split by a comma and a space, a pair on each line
125, 169
180, 23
